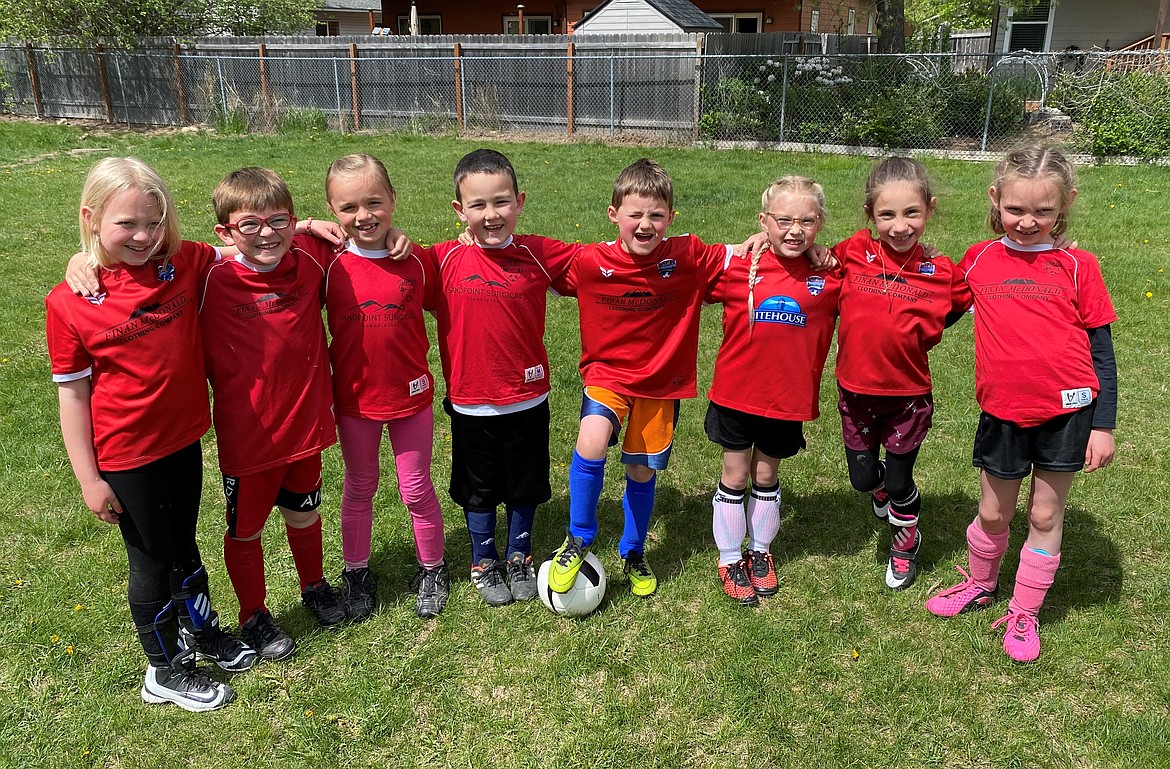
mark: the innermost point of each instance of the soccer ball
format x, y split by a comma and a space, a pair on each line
583, 597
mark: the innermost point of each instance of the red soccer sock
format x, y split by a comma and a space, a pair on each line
307, 553
245, 567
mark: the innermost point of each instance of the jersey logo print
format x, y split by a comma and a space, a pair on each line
815, 284
374, 303
97, 299
926, 268
666, 267
606, 273
780, 309
870, 257
485, 281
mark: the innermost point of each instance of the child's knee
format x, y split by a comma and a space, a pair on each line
639, 473
299, 519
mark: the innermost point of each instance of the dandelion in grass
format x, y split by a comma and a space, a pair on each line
78, 607
69, 649
1149, 295
308, 713
55, 638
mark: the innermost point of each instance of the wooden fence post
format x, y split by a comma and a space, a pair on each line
180, 86
572, 50
34, 80
105, 83
458, 87
265, 100
698, 112
355, 96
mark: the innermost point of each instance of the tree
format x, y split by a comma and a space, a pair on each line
120, 22
891, 24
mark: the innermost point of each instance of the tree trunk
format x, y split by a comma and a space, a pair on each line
891, 22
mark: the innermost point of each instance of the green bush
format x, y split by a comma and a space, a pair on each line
295, 120
1122, 114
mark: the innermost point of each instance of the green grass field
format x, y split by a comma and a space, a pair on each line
833, 672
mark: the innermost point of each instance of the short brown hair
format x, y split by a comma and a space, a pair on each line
250, 189
484, 161
646, 178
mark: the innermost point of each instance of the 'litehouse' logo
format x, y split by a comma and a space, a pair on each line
815, 284
780, 309
666, 267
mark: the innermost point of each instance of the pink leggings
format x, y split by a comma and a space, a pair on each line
411, 439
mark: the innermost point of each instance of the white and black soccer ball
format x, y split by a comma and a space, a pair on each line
583, 597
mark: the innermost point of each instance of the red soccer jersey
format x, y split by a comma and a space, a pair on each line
379, 335
267, 359
773, 367
139, 343
893, 310
491, 308
640, 314
1033, 308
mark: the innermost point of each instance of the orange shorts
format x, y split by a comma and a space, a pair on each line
650, 431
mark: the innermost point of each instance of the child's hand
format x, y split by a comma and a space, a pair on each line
322, 228
465, 238
1062, 242
101, 500
398, 244
1099, 452
81, 276
930, 252
757, 242
821, 257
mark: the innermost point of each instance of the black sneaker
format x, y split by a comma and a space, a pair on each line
358, 593
432, 586
322, 602
219, 646
265, 636
521, 577
488, 578
183, 684
902, 567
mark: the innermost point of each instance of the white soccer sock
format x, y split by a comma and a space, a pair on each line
763, 515
728, 523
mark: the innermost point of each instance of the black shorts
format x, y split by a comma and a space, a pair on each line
1009, 451
500, 459
737, 430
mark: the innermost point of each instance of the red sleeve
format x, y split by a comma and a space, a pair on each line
961, 299
431, 288
67, 354
1093, 300
557, 256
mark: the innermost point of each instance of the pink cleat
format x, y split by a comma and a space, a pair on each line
966, 596
1022, 640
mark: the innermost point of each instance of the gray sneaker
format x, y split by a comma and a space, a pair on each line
488, 578
431, 586
521, 577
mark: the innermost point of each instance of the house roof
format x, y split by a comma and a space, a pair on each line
684, 13
349, 5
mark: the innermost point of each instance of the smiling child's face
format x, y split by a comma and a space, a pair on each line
489, 206
641, 223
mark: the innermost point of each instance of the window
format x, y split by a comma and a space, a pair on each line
814, 22
427, 25
533, 25
1029, 30
740, 22
869, 29
852, 26
328, 28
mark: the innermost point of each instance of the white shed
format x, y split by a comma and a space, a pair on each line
645, 17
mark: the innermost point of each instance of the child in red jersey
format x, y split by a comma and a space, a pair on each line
129, 369
381, 380
895, 302
491, 313
639, 299
268, 366
778, 318
1046, 382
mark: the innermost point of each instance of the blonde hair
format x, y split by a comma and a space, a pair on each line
1034, 163
359, 163
106, 179
896, 169
785, 185
645, 178
250, 189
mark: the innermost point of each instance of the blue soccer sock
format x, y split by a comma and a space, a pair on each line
638, 504
585, 479
481, 527
520, 519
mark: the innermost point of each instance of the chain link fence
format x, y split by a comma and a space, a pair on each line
668, 89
